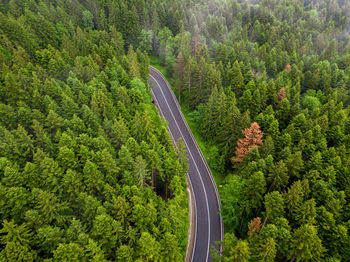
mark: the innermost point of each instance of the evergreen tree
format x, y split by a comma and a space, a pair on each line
306, 245
253, 138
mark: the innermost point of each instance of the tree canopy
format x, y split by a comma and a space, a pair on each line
88, 170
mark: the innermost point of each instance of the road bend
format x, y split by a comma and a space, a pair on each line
209, 227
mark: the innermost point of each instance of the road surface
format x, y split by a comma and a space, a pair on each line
209, 227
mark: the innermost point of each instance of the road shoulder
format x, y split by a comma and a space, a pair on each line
192, 224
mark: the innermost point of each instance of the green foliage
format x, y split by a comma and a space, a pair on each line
146, 40
231, 197
282, 64
311, 102
87, 172
83, 150
240, 252
305, 244
17, 242
88, 20
274, 204
149, 248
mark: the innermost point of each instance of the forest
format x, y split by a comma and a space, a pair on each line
267, 86
88, 170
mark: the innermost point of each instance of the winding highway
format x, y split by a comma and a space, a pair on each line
208, 227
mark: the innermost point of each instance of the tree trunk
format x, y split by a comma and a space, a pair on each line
189, 90
153, 180
271, 187
240, 228
257, 212
166, 188
266, 218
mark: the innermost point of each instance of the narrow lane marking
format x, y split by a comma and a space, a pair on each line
198, 149
205, 192
191, 190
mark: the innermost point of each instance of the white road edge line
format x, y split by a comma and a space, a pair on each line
205, 192
200, 152
189, 179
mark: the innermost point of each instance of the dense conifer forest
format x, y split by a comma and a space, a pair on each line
88, 170
267, 84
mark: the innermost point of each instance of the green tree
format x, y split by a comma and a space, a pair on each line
17, 242
265, 251
88, 20
107, 231
145, 40
49, 207
240, 252
140, 171
169, 246
231, 196
68, 252
148, 248
94, 251
294, 196
306, 245
93, 178
235, 78
66, 157
182, 155
49, 238
125, 253
306, 212
178, 74
278, 176
274, 204
254, 190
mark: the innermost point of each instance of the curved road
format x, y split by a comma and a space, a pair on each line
209, 227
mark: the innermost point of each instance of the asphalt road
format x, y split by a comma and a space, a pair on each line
209, 227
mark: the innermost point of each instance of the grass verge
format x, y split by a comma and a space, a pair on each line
155, 62
204, 146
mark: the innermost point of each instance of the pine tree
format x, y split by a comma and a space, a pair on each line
306, 245
278, 176
195, 41
134, 67
281, 94
16, 241
265, 250
181, 152
253, 138
253, 193
254, 227
274, 204
149, 248
140, 171
179, 73
88, 20
240, 252
188, 76
236, 79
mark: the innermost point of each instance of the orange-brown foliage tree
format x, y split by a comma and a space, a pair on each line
252, 138
282, 94
254, 227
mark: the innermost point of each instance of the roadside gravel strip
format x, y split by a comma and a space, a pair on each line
208, 226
